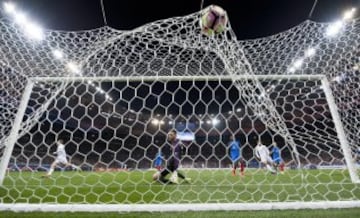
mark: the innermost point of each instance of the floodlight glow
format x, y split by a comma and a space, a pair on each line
20, 18
215, 121
292, 70
73, 67
9, 7
349, 14
155, 122
58, 54
298, 63
310, 52
34, 31
238, 109
334, 28
108, 97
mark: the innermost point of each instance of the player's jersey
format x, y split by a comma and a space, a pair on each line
234, 150
61, 151
275, 154
261, 151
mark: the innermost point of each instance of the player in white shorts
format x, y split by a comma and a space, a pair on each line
60, 158
262, 153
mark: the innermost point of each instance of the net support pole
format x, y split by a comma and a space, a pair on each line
340, 131
11, 139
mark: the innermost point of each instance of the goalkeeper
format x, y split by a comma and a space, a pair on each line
60, 158
173, 162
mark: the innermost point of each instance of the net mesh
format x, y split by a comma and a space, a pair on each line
132, 87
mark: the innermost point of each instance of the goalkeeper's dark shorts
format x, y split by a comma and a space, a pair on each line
170, 167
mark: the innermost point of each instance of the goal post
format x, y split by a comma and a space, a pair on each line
13, 137
298, 180
178, 207
350, 162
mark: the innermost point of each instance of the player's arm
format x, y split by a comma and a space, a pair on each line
183, 149
57, 149
231, 145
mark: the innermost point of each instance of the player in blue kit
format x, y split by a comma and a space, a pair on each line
158, 161
235, 156
276, 156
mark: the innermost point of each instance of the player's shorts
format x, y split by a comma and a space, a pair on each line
277, 160
235, 161
159, 168
61, 160
171, 166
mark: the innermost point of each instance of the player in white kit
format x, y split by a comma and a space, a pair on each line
60, 158
262, 153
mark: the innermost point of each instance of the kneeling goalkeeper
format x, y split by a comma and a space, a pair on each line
173, 162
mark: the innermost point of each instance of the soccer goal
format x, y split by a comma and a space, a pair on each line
110, 97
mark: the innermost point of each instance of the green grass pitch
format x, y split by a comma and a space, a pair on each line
207, 186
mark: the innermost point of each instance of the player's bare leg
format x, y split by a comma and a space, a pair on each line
160, 176
270, 167
73, 166
242, 168
51, 170
233, 171
282, 167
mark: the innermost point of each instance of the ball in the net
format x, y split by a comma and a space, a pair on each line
213, 20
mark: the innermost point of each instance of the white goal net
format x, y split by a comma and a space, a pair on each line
113, 96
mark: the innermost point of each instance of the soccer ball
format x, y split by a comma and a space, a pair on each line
213, 20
